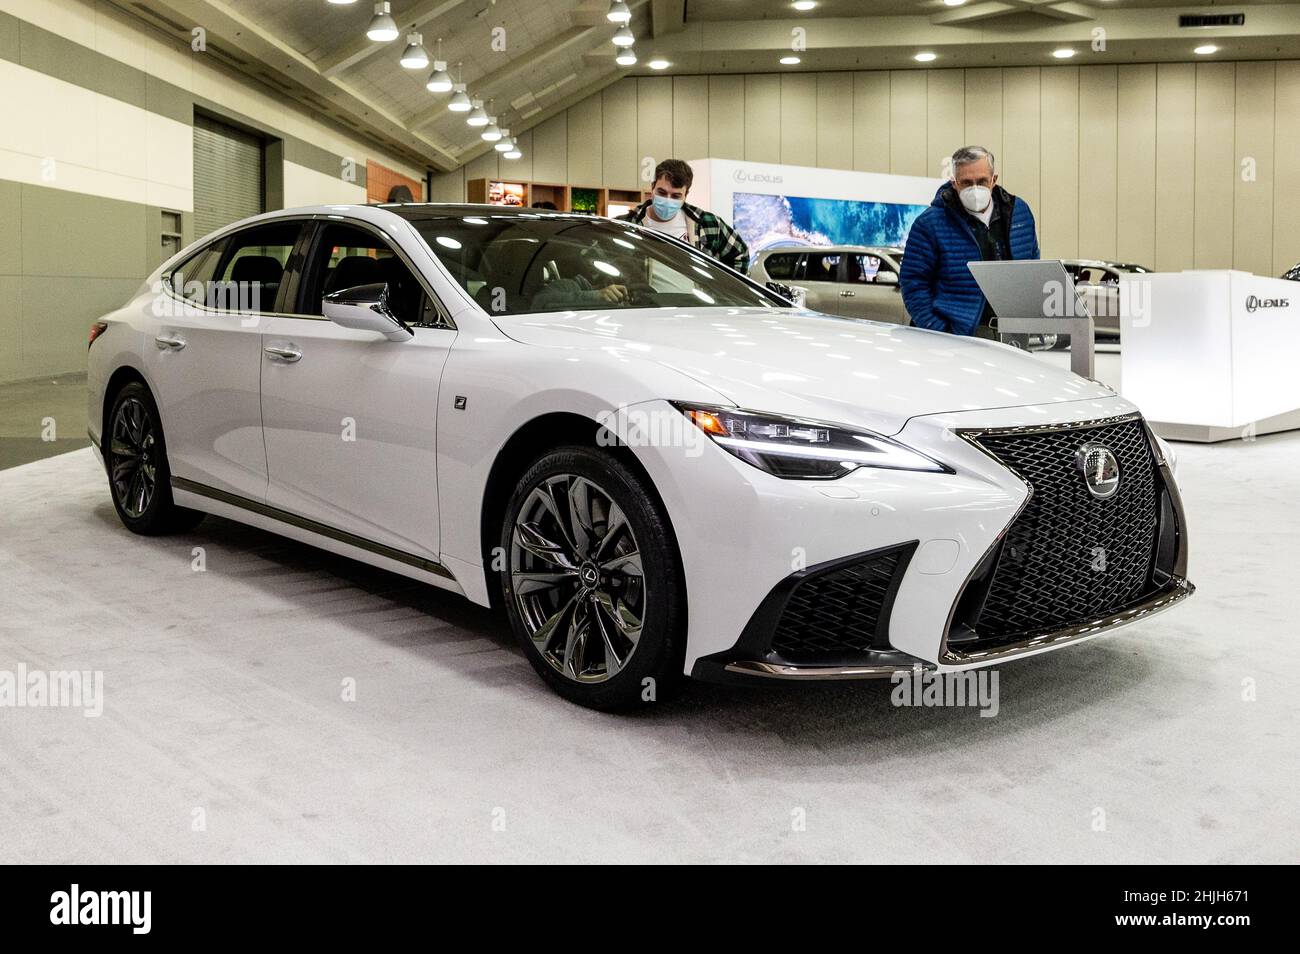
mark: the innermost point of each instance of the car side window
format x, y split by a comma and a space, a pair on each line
781, 265
346, 256
190, 279
252, 268
866, 269
822, 267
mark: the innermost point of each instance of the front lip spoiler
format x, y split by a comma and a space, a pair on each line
1175, 591
813, 673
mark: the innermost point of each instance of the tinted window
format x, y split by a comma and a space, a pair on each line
190, 280
346, 256
252, 267
781, 265
866, 269
525, 263
822, 267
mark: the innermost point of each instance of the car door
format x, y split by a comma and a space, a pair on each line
871, 289
349, 417
821, 272
205, 359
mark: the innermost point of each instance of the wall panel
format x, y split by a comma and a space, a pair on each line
1098, 160
871, 101
1175, 150
907, 123
763, 118
834, 121
1255, 100
690, 117
1215, 163
1135, 177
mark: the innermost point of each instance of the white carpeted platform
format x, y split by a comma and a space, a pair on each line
222, 693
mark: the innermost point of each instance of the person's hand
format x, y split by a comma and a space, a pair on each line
614, 293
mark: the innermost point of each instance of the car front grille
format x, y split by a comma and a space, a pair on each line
1069, 557
839, 611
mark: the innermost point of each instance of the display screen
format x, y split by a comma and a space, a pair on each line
774, 221
506, 193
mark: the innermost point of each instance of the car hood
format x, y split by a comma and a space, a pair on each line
865, 373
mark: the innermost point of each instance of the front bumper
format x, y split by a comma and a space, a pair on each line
921, 620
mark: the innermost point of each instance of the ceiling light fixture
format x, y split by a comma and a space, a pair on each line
1063, 54
514, 152
626, 57
342, 3
659, 63
506, 142
624, 37
414, 57
439, 79
618, 12
459, 102
926, 57
383, 27
1206, 50
953, 3
491, 132
803, 6
790, 61
477, 116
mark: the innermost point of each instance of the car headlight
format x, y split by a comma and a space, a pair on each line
800, 449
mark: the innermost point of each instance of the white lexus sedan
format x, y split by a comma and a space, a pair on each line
656, 466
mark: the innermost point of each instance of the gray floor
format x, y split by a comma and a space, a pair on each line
42, 418
223, 694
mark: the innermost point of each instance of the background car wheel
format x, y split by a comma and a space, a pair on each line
592, 580
135, 456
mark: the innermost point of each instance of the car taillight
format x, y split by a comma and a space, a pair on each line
97, 329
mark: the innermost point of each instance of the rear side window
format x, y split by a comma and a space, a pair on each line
781, 265
252, 268
190, 279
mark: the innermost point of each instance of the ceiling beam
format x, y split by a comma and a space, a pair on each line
667, 16
292, 75
975, 13
360, 47
525, 61
559, 106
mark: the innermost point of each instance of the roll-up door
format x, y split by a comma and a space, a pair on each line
227, 175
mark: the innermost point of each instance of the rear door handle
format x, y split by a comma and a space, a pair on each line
285, 353
169, 342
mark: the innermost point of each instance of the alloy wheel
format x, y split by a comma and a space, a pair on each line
133, 457
576, 578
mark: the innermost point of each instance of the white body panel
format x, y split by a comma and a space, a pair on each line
414, 479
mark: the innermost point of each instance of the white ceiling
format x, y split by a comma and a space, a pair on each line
558, 51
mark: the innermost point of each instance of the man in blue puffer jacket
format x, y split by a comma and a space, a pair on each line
972, 218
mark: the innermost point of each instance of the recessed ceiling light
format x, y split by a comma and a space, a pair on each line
926, 57
658, 64
1206, 49
789, 61
1063, 54
383, 27
803, 6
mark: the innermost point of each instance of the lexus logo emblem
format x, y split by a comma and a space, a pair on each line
1100, 469
1253, 304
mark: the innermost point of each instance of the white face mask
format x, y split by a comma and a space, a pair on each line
976, 198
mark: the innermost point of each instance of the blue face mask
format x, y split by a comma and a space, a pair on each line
666, 208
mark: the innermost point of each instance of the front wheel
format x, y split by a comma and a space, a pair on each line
592, 580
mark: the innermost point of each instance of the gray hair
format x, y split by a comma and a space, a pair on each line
968, 154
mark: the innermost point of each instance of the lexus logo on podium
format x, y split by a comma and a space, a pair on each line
1254, 303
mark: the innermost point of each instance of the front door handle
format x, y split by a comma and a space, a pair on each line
285, 353
169, 342
847, 294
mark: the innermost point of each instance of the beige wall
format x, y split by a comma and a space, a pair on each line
1138, 162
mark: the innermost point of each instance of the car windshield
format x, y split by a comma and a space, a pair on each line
522, 263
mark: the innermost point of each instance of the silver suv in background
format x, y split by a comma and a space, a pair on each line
854, 281
1097, 281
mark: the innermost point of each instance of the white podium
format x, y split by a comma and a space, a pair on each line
1211, 355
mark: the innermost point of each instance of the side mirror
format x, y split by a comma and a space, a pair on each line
365, 308
887, 278
795, 294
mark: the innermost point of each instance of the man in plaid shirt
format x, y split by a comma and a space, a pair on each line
667, 211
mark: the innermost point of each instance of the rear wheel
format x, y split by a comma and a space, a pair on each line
592, 581
135, 455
